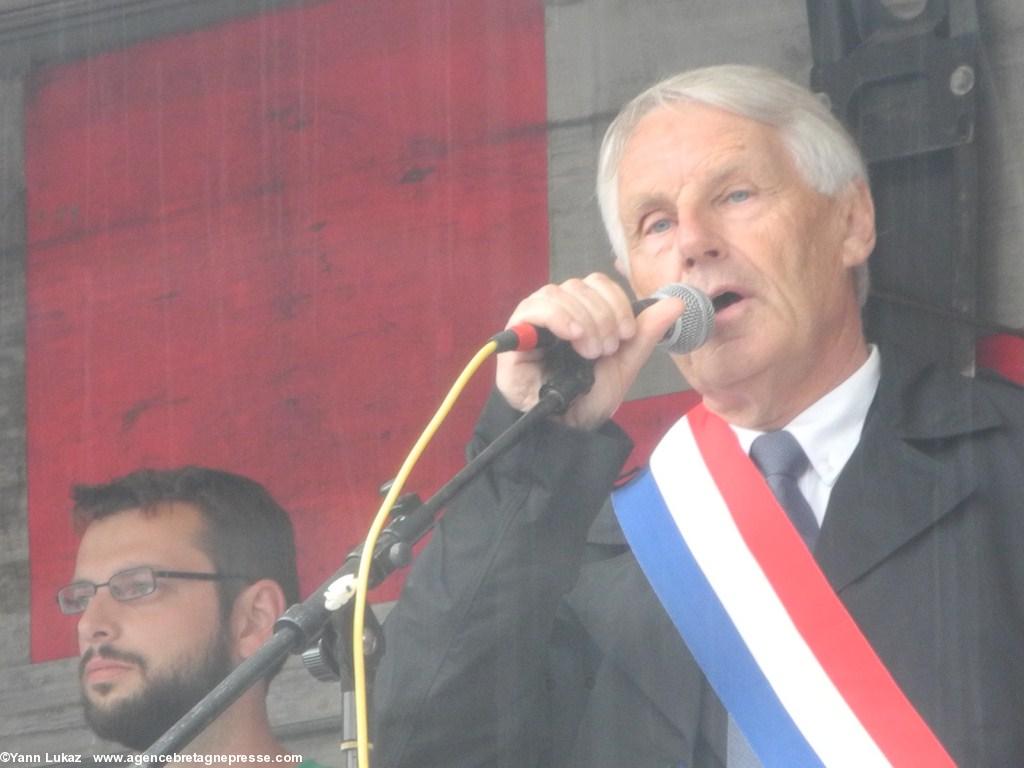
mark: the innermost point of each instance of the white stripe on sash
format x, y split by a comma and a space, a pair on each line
798, 679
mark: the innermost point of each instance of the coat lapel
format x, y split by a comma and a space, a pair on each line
909, 470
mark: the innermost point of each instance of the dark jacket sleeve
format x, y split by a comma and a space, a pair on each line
462, 680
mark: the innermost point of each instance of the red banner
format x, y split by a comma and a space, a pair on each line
270, 246
1004, 354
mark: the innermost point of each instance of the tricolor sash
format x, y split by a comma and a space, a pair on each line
771, 636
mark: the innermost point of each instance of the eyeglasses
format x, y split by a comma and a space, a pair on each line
127, 585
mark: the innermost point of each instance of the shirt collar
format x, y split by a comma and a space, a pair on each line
830, 428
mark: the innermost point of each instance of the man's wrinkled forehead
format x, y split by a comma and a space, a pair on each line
696, 144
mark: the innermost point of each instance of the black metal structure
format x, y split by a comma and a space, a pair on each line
901, 76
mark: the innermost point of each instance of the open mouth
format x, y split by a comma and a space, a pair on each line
724, 300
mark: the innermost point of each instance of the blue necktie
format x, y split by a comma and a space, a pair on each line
781, 460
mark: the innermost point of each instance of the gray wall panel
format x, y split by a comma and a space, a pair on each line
1000, 135
13, 517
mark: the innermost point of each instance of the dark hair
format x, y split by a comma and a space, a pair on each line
247, 532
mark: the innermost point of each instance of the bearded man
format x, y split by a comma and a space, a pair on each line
180, 575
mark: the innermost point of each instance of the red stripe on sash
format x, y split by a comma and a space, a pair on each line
823, 621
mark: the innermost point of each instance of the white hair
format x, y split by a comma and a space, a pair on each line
825, 154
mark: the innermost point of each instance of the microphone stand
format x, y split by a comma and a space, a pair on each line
569, 377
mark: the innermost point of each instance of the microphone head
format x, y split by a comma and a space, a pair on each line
694, 326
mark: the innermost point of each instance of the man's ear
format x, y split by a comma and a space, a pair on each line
859, 222
622, 265
256, 609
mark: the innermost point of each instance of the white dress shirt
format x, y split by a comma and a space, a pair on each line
829, 431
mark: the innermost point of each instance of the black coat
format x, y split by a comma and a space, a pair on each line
527, 635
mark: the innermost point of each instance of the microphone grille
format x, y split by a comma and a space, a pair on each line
696, 323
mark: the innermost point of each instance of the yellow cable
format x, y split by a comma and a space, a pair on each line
362, 582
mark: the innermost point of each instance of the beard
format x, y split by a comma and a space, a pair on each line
139, 720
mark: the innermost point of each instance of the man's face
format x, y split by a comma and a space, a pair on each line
715, 200
146, 662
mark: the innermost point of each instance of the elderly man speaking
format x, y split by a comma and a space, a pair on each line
819, 566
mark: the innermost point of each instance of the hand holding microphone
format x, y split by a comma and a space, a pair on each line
596, 318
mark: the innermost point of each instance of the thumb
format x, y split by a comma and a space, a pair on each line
658, 318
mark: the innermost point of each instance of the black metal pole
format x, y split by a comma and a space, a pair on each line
301, 623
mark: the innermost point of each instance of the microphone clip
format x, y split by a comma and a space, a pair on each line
569, 376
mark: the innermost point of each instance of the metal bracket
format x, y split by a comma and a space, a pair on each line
906, 89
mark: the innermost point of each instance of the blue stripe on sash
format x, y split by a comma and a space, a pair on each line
710, 634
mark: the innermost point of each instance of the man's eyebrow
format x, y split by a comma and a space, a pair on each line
728, 172
637, 211
650, 202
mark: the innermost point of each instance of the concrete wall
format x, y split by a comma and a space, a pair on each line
1001, 163
600, 53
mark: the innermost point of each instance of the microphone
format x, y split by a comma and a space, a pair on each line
687, 333
693, 327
